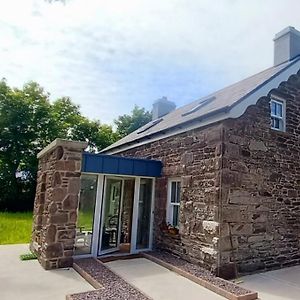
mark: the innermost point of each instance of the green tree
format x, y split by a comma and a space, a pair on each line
129, 123
72, 125
28, 122
25, 127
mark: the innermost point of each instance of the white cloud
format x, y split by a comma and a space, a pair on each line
109, 55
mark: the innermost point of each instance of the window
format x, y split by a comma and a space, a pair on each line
149, 125
85, 219
199, 105
277, 115
173, 202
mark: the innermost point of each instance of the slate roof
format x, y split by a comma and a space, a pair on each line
222, 100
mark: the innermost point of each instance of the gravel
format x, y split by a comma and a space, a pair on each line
199, 272
114, 287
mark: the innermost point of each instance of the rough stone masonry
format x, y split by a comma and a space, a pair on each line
56, 201
240, 198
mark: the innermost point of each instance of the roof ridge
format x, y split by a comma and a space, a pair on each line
228, 100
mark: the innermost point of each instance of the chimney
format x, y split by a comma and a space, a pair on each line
161, 107
286, 45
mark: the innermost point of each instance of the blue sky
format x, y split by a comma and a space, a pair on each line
109, 55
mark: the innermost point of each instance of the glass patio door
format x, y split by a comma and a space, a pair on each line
111, 216
144, 214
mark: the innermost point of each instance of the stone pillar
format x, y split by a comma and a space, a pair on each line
56, 201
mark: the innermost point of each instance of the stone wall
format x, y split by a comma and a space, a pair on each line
195, 157
56, 201
240, 209
260, 211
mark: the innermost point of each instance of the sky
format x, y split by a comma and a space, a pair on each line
108, 55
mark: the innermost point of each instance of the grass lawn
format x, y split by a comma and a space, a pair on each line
85, 220
15, 228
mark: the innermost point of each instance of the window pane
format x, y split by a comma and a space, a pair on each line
173, 192
277, 123
178, 193
175, 215
273, 108
280, 124
84, 226
144, 214
111, 214
279, 110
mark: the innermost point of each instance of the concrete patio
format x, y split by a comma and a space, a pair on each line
27, 280
159, 283
283, 284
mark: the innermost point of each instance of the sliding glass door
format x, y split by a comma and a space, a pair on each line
111, 216
144, 214
120, 224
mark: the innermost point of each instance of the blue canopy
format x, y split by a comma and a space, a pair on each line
117, 165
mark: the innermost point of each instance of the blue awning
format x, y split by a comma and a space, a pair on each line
117, 165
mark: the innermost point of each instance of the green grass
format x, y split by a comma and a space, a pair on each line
15, 228
85, 220
28, 256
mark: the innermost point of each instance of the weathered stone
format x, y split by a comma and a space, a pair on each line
187, 158
73, 217
58, 194
70, 165
65, 262
74, 185
242, 229
54, 250
186, 181
52, 208
59, 218
256, 145
51, 234
210, 227
70, 202
59, 152
65, 234
56, 181
228, 243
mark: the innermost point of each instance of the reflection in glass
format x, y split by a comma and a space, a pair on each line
86, 208
111, 215
144, 214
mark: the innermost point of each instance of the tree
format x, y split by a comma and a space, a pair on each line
25, 127
28, 122
129, 123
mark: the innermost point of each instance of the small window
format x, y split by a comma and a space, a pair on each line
149, 125
173, 209
277, 115
199, 105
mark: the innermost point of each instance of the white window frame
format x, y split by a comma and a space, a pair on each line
171, 205
283, 118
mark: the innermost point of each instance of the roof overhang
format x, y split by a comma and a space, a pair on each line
116, 165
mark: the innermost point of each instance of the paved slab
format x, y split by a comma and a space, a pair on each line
283, 284
27, 280
158, 282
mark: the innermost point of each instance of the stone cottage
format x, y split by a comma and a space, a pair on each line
223, 172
